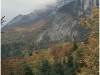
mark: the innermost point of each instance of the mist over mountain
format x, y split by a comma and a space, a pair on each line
62, 39
37, 14
56, 23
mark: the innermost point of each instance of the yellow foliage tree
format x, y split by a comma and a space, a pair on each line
91, 49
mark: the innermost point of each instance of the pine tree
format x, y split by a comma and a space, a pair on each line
45, 68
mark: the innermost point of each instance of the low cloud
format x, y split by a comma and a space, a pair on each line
12, 8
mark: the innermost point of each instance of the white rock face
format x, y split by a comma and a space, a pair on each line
62, 26
40, 36
94, 2
88, 3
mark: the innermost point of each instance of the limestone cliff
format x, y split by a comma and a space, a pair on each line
64, 25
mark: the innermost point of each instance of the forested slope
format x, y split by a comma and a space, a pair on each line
69, 58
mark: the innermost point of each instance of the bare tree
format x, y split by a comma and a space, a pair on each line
2, 21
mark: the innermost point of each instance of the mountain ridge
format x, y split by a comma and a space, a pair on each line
49, 27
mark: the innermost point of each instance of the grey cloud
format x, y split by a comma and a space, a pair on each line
11, 8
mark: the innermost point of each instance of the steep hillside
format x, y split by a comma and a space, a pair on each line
67, 58
65, 42
44, 28
36, 15
30, 19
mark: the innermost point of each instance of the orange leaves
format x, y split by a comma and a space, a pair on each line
63, 52
9, 65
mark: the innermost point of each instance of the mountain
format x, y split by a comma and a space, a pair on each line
42, 28
64, 24
36, 16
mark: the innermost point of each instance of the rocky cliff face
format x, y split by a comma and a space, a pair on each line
62, 19
89, 3
36, 16
64, 25
43, 28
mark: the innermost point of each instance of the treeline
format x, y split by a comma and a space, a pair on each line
55, 61
22, 48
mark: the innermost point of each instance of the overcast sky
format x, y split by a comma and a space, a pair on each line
12, 8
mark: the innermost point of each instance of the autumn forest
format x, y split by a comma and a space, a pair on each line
63, 58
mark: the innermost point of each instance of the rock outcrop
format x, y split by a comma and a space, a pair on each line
62, 18
64, 24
